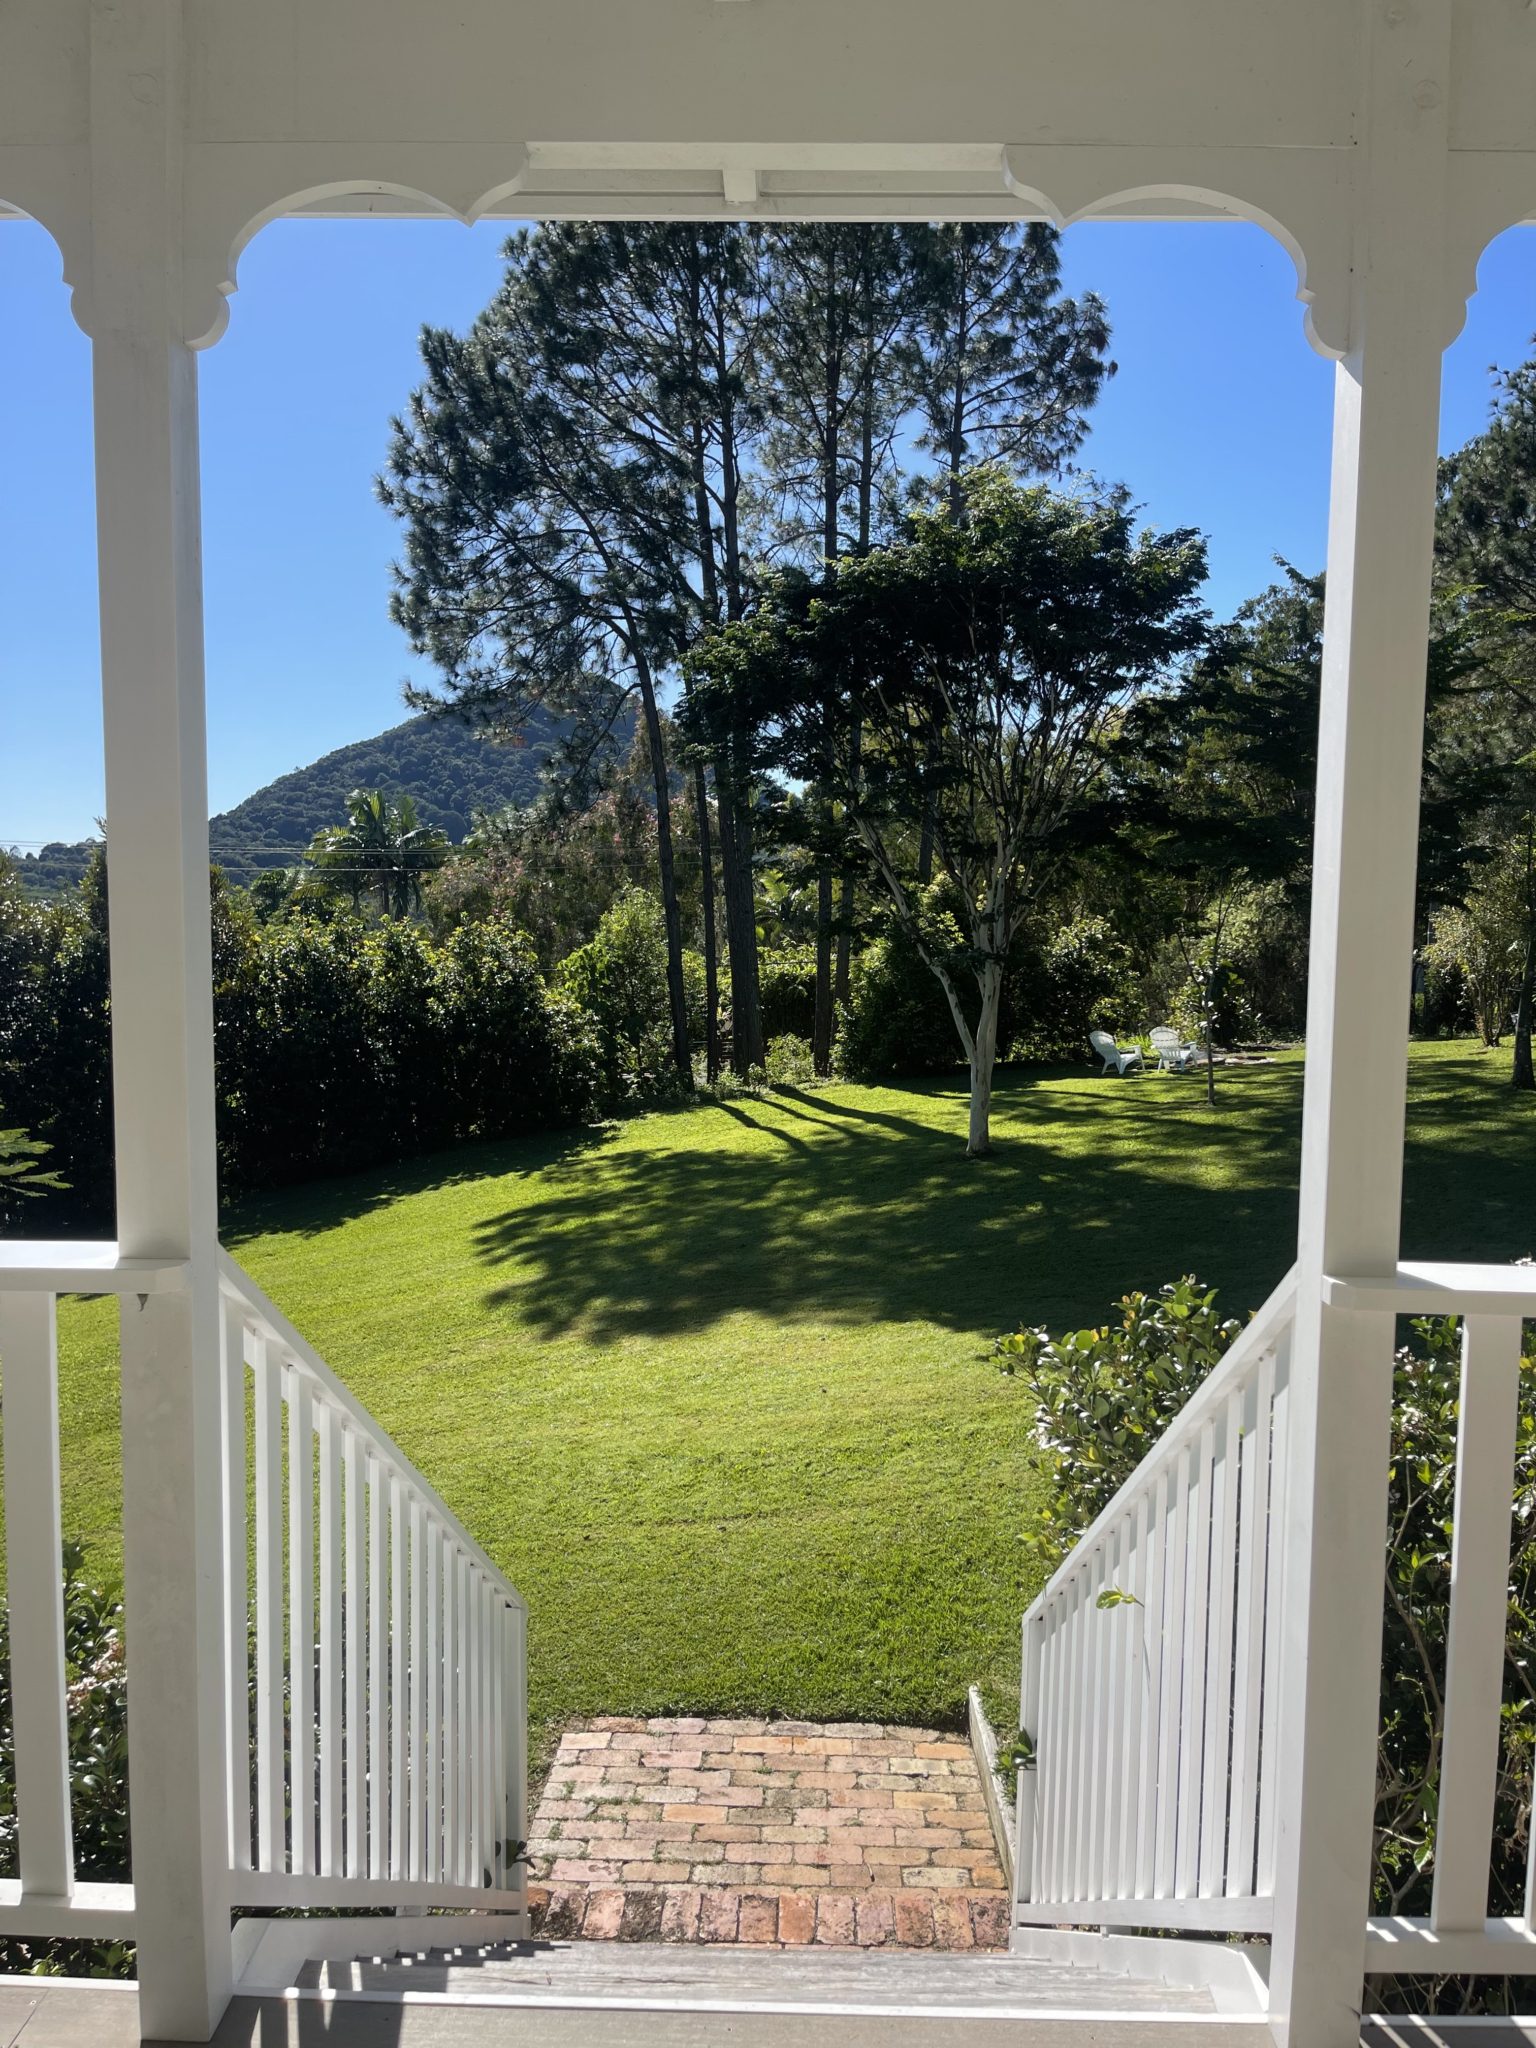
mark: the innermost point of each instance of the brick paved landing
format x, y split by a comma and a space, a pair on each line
774, 1833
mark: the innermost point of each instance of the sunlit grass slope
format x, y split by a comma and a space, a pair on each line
714, 1389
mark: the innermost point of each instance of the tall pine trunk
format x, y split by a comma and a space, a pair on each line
711, 960
821, 1038
682, 1056
732, 804
831, 495
740, 918
848, 907
1523, 1073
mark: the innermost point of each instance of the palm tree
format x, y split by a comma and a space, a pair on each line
20, 1173
382, 851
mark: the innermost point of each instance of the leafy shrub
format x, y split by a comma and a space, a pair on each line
1232, 1015
23, 1177
517, 1058
97, 1698
620, 979
55, 1055
786, 991
790, 1063
409, 1027
1266, 947
1103, 1397
897, 1019
1474, 959
337, 1044
1079, 979
1421, 1500
299, 1095
1060, 985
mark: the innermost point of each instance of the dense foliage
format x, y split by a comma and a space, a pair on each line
55, 1052
382, 855
338, 1043
952, 692
96, 1696
619, 978
23, 1176
592, 480
896, 1020
53, 869
1102, 1397
1063, 981
557, 865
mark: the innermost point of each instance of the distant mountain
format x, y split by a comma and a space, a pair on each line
59, 866
445, 767
449, 771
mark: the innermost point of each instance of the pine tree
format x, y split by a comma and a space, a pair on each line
658, 327
834, 361
538, 571
1006, 368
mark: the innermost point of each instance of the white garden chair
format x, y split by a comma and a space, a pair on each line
1174, 1056
1111, 1054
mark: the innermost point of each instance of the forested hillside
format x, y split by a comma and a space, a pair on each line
59, 866
449, 771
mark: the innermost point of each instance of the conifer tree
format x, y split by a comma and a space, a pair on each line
1005, 368
539, 570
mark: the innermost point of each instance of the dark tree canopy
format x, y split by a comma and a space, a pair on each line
1486, 531
983, 665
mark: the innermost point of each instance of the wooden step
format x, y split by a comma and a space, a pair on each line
720, 1978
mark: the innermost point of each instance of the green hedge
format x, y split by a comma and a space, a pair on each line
619, 979
338, 1045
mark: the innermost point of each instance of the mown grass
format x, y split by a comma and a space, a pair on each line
714, 1387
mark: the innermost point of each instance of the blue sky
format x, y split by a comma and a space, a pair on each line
1219, 418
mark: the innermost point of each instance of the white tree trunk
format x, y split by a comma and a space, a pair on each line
984, 1059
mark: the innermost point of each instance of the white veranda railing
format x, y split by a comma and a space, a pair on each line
1146, 1666
374, 1659
1152, 1657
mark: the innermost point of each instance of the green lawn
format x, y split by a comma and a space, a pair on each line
713, 1387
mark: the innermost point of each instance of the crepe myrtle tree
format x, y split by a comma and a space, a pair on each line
982, 663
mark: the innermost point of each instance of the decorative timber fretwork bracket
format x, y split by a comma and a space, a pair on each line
1332, 124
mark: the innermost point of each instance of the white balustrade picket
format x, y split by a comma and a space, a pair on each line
1144, 1678
375, 1660
1150, 1687
387, 1653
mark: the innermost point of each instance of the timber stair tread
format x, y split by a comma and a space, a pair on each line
703, 1977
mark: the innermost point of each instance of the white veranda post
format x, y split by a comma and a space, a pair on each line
145, 390
1370, 752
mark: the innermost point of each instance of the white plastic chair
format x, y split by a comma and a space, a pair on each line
1111, 1055
1174, 1056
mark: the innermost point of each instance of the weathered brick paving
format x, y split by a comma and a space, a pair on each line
783, 1832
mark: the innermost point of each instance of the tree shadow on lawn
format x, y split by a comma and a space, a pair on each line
315, 1207
1469, 1159
847, 1212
